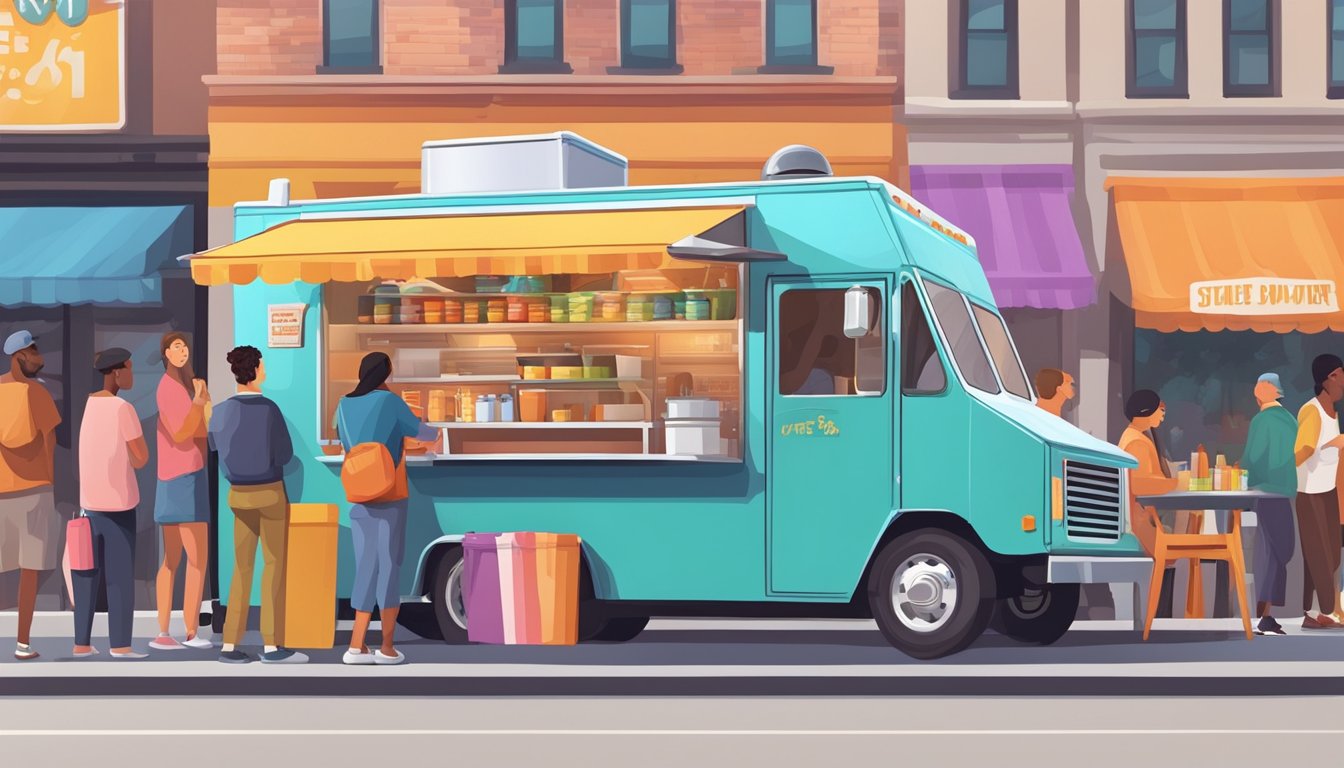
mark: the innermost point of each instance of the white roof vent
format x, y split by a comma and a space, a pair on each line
518, 163
796, 160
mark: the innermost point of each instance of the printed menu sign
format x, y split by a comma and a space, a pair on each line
62, 65
1263, 296
285, 322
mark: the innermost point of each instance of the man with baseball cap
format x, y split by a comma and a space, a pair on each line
1272, 468
29, 526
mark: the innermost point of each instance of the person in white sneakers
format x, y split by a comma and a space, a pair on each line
1317, 451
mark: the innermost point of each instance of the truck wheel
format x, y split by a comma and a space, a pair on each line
930, 593
1039, 616
620, 630
450, 608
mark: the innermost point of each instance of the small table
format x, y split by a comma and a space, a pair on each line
1231, 502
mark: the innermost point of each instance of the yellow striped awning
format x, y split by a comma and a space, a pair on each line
400, 248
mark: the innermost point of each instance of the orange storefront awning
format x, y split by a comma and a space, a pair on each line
1233, 254
401, 248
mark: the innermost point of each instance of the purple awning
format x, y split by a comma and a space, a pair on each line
1023, 227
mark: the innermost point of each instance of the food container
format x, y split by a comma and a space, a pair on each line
560, 414
364, 308
535, 372
692, 438
438, 406
435, 309
452, 311
581, 307
559, 314
722, 303
639, 309
471, 311
383, 314
679, 308
609, 307
485, 408
532, 405
549, 362
505, 408
697, 308
496, 310
692, 408
538, 311
619, 412
517, 310
466, 408
596, 372
567, 372
663, 306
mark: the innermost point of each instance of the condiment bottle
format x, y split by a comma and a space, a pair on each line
466, 410
506, 408
1203, 461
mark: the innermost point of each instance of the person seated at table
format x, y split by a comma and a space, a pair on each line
1146, 411
1272, 468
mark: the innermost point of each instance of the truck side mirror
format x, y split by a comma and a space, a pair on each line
858, 312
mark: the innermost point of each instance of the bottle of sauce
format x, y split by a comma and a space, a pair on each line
466, 411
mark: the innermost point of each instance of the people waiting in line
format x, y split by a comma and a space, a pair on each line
1271, 467
374, 416
29, 525
1146, 412
250, 435
1317, 454
111, 448
1054, 390
181, 503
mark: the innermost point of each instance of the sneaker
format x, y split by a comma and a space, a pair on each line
283, 656
89, 654
381, 658
355, 658
128, 655
234, 657
1268, 626
25, 652
166, 643
1328, 622
198, 642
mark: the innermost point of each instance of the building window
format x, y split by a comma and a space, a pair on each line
791, 37
534, 34
815, 355
1248, 48
1336, 32
987, 55
350, 36
649, 35
1157, 58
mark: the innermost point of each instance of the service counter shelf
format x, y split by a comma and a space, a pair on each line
654, 458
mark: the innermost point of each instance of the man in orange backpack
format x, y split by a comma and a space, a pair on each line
253, 442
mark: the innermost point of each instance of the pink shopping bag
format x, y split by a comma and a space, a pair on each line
79, 543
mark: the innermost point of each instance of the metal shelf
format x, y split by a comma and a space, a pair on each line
625, 327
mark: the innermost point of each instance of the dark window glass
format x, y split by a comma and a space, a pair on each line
988, 56
1248, 48
648, 34
815, 356
1336, 33
921, 368
961, 338
534, 33
1001, 349
350, 34
1157, 61
791, 33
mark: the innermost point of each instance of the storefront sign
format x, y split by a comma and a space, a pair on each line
286, 325
1264, 296
62, 65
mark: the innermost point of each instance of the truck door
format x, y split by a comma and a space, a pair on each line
831, 422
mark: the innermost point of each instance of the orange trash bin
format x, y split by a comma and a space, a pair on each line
558, 587
309, 619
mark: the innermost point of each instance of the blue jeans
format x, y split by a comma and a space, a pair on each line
379, 533
113, 562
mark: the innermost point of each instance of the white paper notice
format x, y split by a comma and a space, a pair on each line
286, 325
1264, 296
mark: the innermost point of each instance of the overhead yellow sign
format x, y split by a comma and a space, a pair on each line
62, 65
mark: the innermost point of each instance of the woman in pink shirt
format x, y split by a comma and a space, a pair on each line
180, 505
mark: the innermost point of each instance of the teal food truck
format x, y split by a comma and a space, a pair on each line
786, 397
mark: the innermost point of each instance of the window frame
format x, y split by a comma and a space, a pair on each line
879, 331
934, 336
1180, 87
773, 66
1334, 89
974, 308
952, 358
632, 63
1271, 32
513, 65
1011, 88
376, 35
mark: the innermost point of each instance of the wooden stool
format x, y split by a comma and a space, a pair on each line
1195, 547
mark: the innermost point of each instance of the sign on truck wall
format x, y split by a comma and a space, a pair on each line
62, 65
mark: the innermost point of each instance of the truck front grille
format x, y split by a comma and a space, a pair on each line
1093, 502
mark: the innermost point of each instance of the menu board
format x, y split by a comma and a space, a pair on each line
62, 65
285, 324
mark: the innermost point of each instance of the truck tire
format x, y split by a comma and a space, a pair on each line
931, 593
1040, 616
450, 612
619, 630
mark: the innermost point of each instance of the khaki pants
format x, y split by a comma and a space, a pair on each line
260, 512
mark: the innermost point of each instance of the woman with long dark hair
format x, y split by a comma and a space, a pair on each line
1146, 412
181, 507
371, 413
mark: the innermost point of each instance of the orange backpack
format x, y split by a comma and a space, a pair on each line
368, 473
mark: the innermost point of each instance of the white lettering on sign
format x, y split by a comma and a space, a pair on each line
1263, 296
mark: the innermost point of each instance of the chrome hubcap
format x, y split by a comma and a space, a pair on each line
457, 607
924, 592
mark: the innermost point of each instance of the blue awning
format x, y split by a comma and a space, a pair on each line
106, 256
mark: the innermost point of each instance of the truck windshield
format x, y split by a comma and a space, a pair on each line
959, 331
1002, 351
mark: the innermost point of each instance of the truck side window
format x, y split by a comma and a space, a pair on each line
961, 337
921, 368
815, 356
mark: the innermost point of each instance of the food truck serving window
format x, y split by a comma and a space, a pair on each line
962, 339
815, 356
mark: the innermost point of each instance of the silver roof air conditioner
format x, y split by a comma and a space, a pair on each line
796, 160
518, 164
